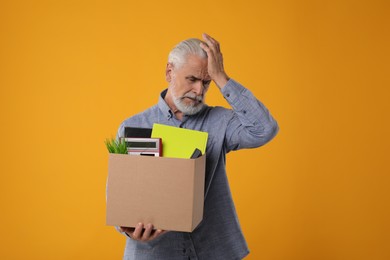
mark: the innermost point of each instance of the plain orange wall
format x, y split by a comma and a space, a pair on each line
71, 71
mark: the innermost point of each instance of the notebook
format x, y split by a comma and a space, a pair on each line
180, 142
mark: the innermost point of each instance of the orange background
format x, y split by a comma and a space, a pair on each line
71, 71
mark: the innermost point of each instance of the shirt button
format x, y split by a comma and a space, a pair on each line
227, 95
244, 111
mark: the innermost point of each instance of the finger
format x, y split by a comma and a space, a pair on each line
138, 231
208, 38
205, 47
211, 53
211, 41
128, 230
211, 46
157, 233
147, 232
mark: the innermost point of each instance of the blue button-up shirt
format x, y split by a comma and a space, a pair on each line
247, 125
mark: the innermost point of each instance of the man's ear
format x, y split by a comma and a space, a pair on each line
168, 72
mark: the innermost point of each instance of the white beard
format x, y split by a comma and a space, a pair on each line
187, 109
181, 105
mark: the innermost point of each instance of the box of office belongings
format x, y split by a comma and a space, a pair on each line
167, 192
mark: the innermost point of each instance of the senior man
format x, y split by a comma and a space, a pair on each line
192, 65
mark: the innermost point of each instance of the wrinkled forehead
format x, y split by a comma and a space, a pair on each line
195, 66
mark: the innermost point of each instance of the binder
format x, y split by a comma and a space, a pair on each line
180, 142
138, 132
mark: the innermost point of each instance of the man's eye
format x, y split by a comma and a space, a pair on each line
206, 83
192, 79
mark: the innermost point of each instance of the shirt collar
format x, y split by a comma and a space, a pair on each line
163, 106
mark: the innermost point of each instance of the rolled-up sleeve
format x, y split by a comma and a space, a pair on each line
250, 123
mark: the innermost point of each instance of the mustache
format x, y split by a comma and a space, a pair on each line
193, 97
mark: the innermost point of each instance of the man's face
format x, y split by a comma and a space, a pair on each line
188, 84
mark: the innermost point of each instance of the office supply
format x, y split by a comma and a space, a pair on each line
197, 153
144, 146
138, 132
180, 142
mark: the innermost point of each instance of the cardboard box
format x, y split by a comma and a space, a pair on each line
167, 192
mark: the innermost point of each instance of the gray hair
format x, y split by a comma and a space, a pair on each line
179, 53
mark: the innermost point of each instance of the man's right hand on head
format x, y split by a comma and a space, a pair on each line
142, 233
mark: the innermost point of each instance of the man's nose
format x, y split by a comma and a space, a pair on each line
199, 88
